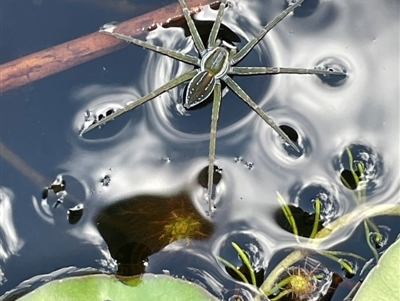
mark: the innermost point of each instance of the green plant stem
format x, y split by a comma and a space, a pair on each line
246, 261
281, 284
316, 220
344, 264
281, 294
361, 199
343, 253
289, 216
367, 236
359, 214
237, 271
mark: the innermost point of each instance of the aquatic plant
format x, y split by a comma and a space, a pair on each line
299, 281
246, 263
330, 229
359, 178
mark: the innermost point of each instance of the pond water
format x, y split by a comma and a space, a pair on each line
158, 150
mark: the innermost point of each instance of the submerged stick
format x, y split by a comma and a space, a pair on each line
18, 163
28, 171
72, 53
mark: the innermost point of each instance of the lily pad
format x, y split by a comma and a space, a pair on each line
382, 283
103, 287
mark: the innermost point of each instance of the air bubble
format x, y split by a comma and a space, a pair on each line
167, 159
106, 180
238, 159
249, 165
292, 2
110, 112
93, 117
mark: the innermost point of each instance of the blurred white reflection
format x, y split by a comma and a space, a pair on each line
43, 210
10, 242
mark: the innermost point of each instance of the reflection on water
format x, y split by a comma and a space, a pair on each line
10, 242
160, 149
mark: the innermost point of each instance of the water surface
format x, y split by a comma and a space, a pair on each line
160, 148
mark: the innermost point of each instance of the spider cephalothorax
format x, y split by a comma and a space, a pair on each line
215, 64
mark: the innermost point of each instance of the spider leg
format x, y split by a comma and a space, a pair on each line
250, 45
168, 52
217, 24
171, 84
213, 138
246, 98
192, 28
281, 70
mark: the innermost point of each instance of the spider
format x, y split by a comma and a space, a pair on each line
215, 64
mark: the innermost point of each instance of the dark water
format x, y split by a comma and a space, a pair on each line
160, 149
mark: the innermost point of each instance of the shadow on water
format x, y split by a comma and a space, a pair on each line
129, 197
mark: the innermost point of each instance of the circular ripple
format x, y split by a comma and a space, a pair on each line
168, 109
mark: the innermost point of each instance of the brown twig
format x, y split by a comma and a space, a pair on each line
69, 54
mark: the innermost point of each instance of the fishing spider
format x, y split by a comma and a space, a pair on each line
215, 64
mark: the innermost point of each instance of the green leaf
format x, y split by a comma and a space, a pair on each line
103, 287
382, 283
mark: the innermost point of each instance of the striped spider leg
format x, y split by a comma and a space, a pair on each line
215, 64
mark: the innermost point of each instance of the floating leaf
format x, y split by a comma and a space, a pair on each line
382, 283
103, 287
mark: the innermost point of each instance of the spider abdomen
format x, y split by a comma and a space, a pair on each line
199, 89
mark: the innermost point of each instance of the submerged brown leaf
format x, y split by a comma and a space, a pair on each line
137, 227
